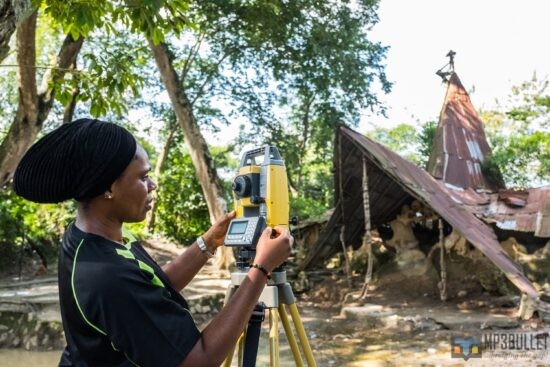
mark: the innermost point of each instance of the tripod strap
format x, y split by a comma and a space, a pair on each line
252, 340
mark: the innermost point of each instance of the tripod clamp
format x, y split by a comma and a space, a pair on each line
277, 291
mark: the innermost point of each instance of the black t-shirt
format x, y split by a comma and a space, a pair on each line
118, 306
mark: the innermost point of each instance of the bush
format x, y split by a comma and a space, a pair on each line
30, 229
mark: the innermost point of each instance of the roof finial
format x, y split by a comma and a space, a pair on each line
451, 64
451, 55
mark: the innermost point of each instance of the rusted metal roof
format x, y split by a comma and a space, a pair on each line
523, 211
394, 181
460, 145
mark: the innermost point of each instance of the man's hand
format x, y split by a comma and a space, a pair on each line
213, 238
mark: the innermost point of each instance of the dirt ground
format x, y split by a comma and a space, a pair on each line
402, 322
408, 325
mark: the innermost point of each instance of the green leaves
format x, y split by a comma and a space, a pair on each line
22, 221
181, 210
153, 18
519, 133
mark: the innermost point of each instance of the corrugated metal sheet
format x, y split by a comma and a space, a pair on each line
392, 182
459, 143
524, 211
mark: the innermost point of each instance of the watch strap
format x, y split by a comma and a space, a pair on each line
203, 248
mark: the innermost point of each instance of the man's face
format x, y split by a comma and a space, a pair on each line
132, 190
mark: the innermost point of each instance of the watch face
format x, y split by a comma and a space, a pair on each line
204, 249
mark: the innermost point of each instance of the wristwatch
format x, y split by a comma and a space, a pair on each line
204, 249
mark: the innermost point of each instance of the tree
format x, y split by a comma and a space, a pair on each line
425, 138
78, 20
273, 41
34, 103
308, 57
11, 13
519, 133
402, 139
316, 69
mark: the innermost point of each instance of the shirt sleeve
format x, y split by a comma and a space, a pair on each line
140, 318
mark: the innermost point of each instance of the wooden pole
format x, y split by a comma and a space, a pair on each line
443, 283
343, 222
367, 237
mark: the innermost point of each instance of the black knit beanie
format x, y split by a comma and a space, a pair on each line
78, 160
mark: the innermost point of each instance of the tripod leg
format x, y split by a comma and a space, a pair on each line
252, 338
273, 338
229, 358
241, 348
290, 336
302, 335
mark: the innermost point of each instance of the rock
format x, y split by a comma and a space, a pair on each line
420, 323
462, 294
527, 307
504, 323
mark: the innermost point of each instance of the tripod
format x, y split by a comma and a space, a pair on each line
276, 294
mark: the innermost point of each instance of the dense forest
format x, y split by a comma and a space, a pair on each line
174, 73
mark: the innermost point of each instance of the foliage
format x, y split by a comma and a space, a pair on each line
425, 138
519, 133
108, 78
413, 144
181, 210
28, 227
291, 71
298, 70
153, 18
491, 171
401, 139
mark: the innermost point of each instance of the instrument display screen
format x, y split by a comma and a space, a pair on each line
238, 227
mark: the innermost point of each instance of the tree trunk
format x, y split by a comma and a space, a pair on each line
34, 106
195, 141
7, 27
23, 129
11, 13
158, 169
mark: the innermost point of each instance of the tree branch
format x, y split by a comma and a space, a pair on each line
209, 78
192, 53
34, 105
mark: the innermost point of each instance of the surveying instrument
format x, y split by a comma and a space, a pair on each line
260, 193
